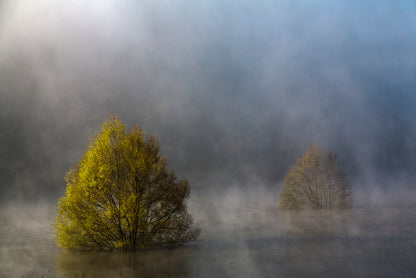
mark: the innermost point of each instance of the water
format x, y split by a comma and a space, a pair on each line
235, 243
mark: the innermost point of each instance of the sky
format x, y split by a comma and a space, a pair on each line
235, 90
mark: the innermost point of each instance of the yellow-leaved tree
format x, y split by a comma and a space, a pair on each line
120, 195
315, 182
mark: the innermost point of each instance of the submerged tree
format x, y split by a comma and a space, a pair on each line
120, 195
315, 182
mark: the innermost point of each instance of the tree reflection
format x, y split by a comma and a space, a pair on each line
150, 263
316, 223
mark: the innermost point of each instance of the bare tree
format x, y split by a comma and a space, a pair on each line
315, 182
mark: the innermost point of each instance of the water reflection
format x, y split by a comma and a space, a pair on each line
244, 243
150, 263
317, 223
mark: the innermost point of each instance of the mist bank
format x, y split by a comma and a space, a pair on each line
235, 91
238, 239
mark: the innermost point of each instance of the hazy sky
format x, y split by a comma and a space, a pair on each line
234, 90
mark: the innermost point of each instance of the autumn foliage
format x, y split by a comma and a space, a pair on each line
120, 195
315, 182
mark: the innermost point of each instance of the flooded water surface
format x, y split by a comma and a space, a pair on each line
243, 243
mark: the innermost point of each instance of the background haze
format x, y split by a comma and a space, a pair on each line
234, 90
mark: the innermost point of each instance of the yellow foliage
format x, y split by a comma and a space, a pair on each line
120, 195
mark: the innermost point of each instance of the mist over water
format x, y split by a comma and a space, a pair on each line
237, 240
235, 91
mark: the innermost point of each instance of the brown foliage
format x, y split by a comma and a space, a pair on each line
315, 182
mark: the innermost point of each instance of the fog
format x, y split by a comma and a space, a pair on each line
235, 242
234, 90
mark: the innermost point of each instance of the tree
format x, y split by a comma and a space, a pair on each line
120, 195
315, 182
